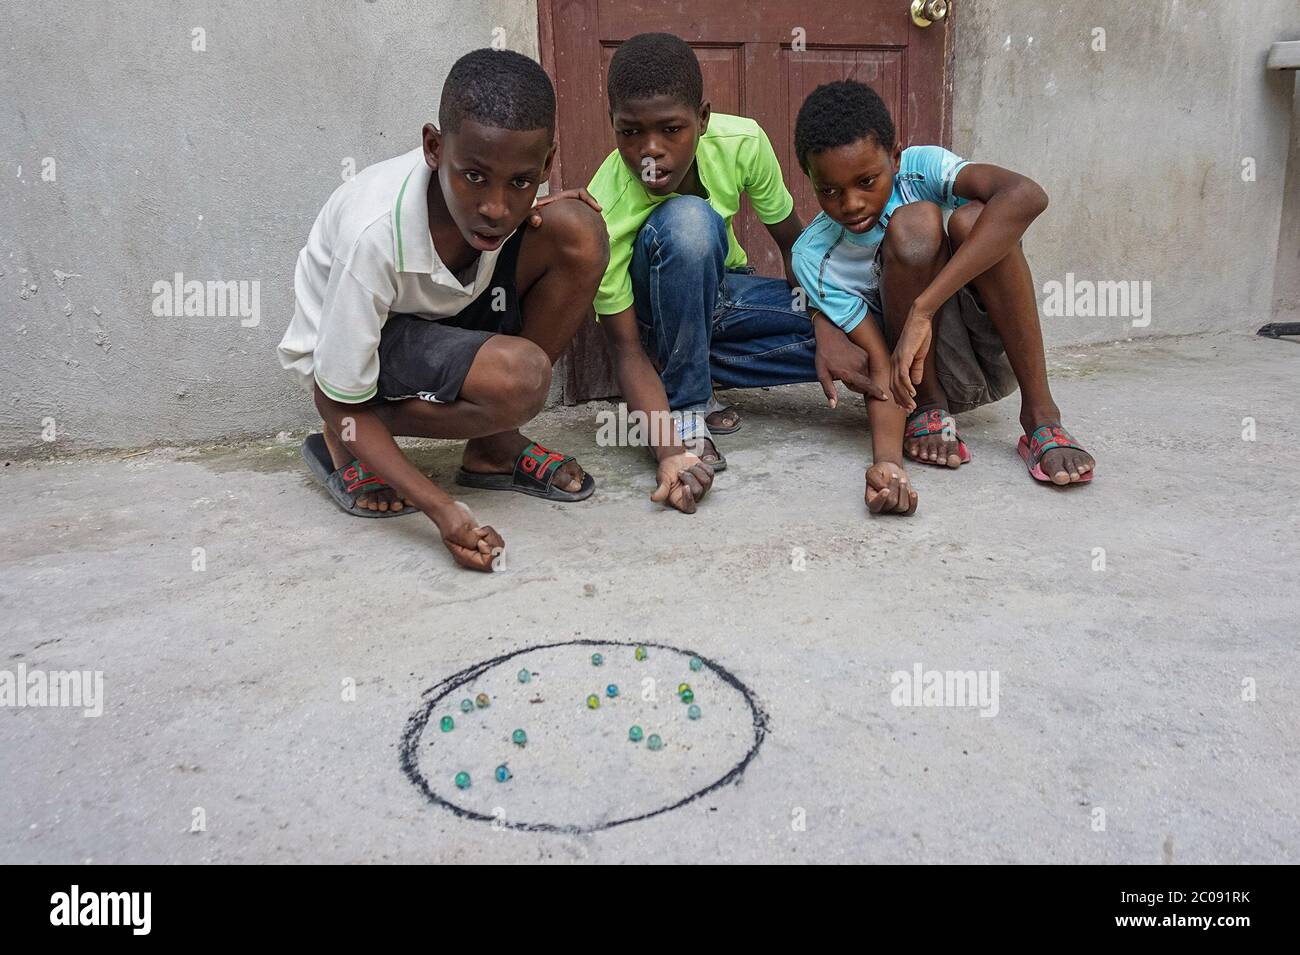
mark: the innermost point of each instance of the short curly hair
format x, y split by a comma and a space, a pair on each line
498, 88
655, 64
839, 113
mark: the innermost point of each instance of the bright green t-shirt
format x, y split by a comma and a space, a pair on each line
734, 156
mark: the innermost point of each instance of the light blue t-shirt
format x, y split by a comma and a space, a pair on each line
838, 270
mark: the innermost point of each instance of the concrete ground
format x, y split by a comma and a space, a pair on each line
1161, 690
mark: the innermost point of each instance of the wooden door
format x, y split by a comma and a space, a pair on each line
760, 58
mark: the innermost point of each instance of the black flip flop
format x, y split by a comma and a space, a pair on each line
733, 429
720, 464
347, 483
534, 474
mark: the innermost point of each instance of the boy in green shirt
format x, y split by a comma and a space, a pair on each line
680, 308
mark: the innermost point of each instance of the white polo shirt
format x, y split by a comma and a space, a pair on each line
369, 255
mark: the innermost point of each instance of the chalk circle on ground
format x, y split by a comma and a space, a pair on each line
578, 771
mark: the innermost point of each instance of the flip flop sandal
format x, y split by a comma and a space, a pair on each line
1032, 448
347, 483
534, 474
720, 464
733, 429
921, 424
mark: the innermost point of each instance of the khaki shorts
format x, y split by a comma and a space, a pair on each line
969, 354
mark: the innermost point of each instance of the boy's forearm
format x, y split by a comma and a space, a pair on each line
638, 381
369, 440
1002, 223
785, 233
887, 420
643, 391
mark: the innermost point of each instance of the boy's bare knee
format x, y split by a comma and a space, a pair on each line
963, 220
579, 234
915, 234
528, 372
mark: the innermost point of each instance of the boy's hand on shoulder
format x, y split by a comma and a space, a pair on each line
908, 363
471, 544
535, 217
683, 481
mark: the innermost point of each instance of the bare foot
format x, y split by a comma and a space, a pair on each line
382, 500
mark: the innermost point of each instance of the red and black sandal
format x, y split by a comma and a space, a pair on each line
922, 424
347, 483
534, 474
1032, 447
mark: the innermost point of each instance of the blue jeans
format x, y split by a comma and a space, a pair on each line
701, 323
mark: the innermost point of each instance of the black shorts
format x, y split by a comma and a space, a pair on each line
429, 359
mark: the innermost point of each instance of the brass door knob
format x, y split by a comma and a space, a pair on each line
926, 12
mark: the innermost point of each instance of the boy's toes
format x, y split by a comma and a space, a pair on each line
1066, 466
570, 477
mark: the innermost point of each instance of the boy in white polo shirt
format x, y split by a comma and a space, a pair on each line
426, 307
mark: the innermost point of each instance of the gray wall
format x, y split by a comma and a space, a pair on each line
214, 165
1140, 147
1286, 274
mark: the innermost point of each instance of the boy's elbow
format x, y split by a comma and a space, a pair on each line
1035, 197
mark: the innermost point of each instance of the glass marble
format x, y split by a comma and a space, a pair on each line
641, 653
597, 659
682, 688
634, 734
466, 706
654, 742
697, 664
688, 696
593, 702
524, 676
519, 737
483, 701
447, 724
611, 691
693, 711
462, 780
502, 773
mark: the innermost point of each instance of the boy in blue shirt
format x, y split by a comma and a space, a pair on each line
902, 232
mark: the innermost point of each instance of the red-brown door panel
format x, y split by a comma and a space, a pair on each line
760, 58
